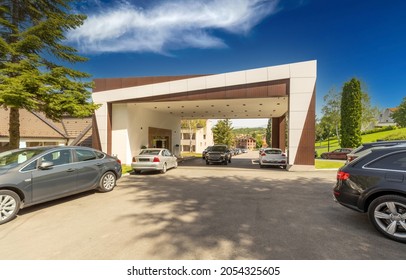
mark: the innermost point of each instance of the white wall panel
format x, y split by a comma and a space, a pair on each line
257, 75
216, 81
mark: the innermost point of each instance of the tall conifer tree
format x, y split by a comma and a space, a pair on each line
34, 63
351, 112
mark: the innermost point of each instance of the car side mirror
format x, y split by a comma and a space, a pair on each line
45, 165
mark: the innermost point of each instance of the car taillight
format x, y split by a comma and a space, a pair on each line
156, 159
283, 154
263, 154
134, 159
119, 161
351, 158
341, 175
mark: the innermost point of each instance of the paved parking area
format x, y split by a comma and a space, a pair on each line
238, 211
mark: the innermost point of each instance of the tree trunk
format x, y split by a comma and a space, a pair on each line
14, 128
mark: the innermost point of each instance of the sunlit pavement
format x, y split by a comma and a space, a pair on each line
199, 211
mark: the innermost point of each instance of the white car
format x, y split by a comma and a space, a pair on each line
154, 159
273, 157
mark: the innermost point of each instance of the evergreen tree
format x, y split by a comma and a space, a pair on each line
222, 133
268, 133
399, 116
34, 72
351, 112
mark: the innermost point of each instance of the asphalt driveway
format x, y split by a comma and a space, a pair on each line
238, 211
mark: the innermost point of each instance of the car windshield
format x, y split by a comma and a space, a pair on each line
150, 152
218, 148
16, 157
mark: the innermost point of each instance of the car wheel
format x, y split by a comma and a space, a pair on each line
107, 182
324, 156
9, 205
225, 162
163, 171
207, 162
229, 160
175, 165
388, 214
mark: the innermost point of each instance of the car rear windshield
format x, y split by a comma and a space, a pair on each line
273, 152
15, 157
150, 152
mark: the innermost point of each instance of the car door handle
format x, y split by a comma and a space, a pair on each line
70, 170
99, 164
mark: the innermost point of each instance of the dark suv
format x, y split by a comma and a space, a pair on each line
218, 154
376, 183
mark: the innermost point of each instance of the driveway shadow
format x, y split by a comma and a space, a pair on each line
250, 218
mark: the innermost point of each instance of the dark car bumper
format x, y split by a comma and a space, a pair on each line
347, 196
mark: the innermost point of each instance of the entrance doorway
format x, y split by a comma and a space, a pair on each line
159, 138
161, 142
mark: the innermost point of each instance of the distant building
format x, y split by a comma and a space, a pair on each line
201, 138
245, 142
37, 130
385, 118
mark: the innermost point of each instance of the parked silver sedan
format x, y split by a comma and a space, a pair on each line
34, 175
154, 159
272, 157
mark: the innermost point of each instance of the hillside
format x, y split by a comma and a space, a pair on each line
400, 133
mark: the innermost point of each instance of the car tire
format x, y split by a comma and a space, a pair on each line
229, 160
324, 156
225, 162
107, 182
388, 215
164, 168
9, 205
207, 162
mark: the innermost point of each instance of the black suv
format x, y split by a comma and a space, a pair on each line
218, 154
376, 183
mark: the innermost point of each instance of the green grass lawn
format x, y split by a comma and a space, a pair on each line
326, 164
126, 168
321, 147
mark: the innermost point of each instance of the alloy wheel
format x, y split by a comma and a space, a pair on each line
8, 207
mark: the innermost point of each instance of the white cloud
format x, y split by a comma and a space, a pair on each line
174, 24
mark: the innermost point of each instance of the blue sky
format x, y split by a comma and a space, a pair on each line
348, 38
